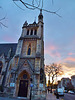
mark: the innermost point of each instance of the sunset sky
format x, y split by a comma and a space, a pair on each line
59, 33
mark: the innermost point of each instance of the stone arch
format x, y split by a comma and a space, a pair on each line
22, 73
22, 77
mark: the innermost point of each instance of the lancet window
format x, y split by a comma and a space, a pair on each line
27, 32
31, 32
29, 50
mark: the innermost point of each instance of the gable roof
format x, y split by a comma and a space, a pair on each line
5, 47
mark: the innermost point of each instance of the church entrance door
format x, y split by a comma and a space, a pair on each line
23, 88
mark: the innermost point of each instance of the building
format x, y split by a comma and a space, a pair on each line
22, 64
65, 83
73, 81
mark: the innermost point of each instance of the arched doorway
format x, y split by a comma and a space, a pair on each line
24, 81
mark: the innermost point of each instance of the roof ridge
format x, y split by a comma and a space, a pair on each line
8, 43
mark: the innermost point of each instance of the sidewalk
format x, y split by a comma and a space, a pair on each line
51, 96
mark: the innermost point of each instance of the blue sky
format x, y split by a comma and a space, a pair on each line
59, 33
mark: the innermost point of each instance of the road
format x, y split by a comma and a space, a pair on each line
68, 97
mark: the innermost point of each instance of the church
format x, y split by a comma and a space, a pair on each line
22, 63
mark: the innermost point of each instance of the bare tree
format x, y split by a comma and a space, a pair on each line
35, 4
53, 70
1, 20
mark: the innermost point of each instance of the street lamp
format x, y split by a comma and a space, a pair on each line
31, 85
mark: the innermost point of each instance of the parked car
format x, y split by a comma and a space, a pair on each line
71, 92
60, 91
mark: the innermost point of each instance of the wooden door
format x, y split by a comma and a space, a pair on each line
23, 88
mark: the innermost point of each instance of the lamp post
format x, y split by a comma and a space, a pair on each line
31, 85
30, 93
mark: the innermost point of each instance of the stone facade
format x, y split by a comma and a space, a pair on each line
26, 67
73, 81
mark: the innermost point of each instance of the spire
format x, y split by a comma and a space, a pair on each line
34, 21
9, 53
25, 24
40, 17
2, 56
40, 11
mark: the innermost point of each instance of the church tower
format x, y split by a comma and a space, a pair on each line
29, 60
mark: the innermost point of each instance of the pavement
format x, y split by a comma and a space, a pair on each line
68, 96
50, 96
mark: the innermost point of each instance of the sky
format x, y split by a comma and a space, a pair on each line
59, 32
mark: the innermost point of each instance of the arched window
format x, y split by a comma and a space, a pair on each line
29, 50
27, 32
35, 32
1, 66
31, 32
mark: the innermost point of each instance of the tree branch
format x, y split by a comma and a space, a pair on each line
18, 6
3, 24
33, 7
2, 18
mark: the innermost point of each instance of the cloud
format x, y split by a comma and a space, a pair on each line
68, 65
52, 47
71, 54
8, 38
69, 69
52, 50
70, 59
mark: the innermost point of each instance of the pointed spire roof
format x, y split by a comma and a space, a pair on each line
40, 17
40, 11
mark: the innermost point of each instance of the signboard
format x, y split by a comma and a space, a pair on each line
31, 85
12, 84
41, 85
